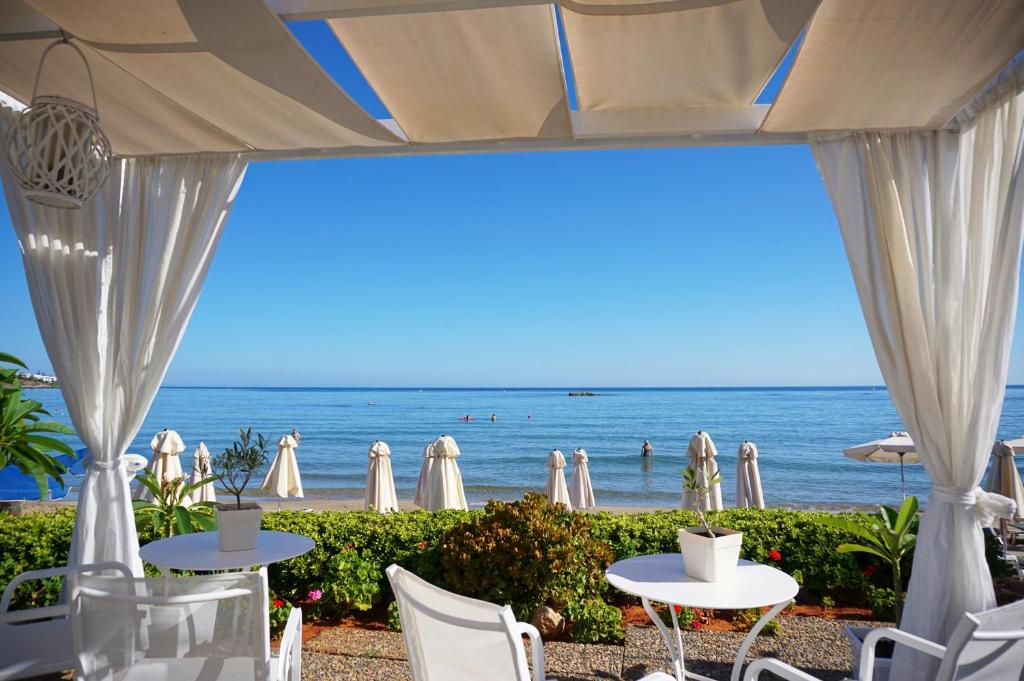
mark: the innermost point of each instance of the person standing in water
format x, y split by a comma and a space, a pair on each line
493, 418
647, 449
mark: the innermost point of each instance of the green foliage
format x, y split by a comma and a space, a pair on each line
827, 602
280, 609
746, 619
890, 537
34, 542
594, 621
25, 440
167, 515
685, 616
236, 464
350, 582
700, 491
394, 620
882, 602
525, 554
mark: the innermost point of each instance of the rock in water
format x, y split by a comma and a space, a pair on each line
549, 623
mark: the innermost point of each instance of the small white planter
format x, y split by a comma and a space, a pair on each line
237, 529
710, 559
855, 635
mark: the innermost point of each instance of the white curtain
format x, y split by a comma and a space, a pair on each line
932, 223
113, 286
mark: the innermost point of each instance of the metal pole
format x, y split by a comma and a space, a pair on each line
903, 482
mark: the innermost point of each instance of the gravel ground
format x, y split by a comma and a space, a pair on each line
813, 644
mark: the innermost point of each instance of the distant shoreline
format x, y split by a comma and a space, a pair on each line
35, 383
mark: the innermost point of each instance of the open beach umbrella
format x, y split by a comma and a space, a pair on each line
165, 465
420, 498
1003, 477
748, 477
702, 453
555, 490
283, 478
380, 483
581, 492
444, 481
201, 470
897, 448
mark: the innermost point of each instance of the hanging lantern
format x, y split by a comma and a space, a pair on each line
55, 149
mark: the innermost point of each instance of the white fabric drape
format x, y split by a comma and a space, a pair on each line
444, 480
283, 479
380, 483
581, 492
702, 453
200, 471
748, 477
932, 224
420, 498
113, 286
555, 489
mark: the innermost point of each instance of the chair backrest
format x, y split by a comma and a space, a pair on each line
289, 654
37, 641
454, 638
986, 646
206, 627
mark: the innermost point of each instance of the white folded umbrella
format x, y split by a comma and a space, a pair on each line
283, 478
748, 477
165, 465
897, 448
555, 490
1003, 477
380, 483
702, 453
420, 498
201, 470
444, 480
581, 492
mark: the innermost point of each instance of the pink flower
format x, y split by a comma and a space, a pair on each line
315, 595
697, 625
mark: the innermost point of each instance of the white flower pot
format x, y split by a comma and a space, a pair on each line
710, 559
855, 635
237, 529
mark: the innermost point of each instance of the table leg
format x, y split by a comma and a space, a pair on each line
673, 641
741, 654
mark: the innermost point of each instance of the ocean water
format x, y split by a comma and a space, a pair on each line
800, 434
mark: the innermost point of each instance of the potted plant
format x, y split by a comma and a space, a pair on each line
169, 514
238, 524
710, 554
891, 539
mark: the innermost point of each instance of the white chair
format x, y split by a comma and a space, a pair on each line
206, 628
986, 646
37, 641
454, 638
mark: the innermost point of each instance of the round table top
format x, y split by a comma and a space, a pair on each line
662, 578
199, 551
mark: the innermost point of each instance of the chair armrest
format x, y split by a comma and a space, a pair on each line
289, 655
777, 667
62, 571
867, 654
536, 648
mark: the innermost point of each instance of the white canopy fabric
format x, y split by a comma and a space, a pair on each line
113, 286
933, 224
1004, 478
581, 492
555, 489
420, 498
380, 483
200, 471
283, 479
444, 480
702, 453
748, 477
164, 464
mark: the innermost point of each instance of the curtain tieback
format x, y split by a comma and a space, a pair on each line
107, 465
987, 505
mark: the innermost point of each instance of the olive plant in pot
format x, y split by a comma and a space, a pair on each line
709, 553
238, 524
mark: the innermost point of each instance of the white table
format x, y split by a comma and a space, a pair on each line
199, 552
662, 578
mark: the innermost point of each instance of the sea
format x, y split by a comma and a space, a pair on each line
800, 434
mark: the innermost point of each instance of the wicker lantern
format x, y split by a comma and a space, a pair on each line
55, 149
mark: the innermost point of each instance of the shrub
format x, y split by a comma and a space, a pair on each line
34, 542
882, 602
394, 620
685, 616
349, 583
279, 612
594, 621
525, 554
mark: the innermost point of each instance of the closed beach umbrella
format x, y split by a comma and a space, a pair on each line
283, 478
380, 483
165, 465
748, 477
420, 498
702, 453
444, 481
556, 491
897, 448
1003, 478
581, 492
201, 470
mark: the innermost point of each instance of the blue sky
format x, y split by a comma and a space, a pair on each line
681, 267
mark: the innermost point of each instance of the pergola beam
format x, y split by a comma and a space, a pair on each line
306, 10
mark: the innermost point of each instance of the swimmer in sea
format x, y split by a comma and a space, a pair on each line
647, 449
493, 418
